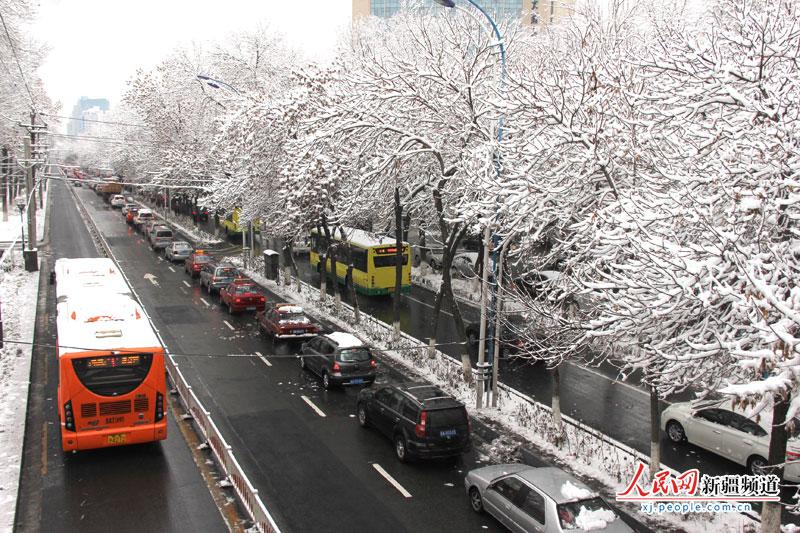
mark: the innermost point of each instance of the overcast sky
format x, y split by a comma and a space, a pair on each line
97, 45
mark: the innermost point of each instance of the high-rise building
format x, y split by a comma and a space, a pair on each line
531, 11
85, 110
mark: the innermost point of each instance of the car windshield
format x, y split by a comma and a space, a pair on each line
575, 515
293, 318
164, 233
201, 259
225, 272
447, 417
354, 355
244, 289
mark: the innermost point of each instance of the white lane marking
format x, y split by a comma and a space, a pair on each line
314, 407
229, 325
391, 480
152, 279
428, 305
184, 291
205, 302
186, 283
171, 269
261, 356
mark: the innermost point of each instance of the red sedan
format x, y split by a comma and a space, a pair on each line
195, 262
242, 295
286, 321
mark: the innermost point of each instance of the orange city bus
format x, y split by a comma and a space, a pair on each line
112, 379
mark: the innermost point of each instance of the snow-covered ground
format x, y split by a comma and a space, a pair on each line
18, 295
10, 229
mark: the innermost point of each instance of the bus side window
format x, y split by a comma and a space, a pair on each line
359, 258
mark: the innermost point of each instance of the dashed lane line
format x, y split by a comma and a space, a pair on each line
205, 302
229, 325
391, 480
171, 269
186, 283
314, 407
261, 356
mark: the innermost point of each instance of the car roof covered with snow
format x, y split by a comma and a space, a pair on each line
289, 308
552, 481
345, 340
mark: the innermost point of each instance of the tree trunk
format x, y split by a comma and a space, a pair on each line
557, 402
332, 251
398, 265
348, 279
771, 512
655, 433
4, 181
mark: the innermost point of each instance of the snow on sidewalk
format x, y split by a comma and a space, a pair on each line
18, 295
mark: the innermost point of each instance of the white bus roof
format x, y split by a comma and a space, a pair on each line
111, 322
362, 238
76, 276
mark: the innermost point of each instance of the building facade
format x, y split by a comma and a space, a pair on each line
531, 11
87, 109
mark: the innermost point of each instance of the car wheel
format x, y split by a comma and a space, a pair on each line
303, 363
756, 465
475, 500
400, 449
362, 415
326, 381
675, 432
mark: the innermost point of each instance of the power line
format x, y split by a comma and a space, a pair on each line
16, 58
97, 121
107, 139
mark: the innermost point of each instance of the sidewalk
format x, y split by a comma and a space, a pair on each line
19, 291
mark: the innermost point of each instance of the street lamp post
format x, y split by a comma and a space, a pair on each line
491, 243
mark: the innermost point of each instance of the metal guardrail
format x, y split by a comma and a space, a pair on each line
247, 494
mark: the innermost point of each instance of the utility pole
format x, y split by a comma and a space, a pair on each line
5, 181
30, 185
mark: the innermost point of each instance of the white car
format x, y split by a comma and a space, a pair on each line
126, 207
117, 200
730, 434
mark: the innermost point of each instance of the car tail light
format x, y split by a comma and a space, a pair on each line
793, 456
159, 406
420, 428
263, 299
336, 367
238, 300
69, 421
373, 363
196, 267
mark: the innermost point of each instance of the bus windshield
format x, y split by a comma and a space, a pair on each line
112, 375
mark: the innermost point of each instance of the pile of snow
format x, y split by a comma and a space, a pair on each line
598, 519
573, 492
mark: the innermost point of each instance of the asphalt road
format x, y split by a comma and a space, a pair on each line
315, 473
152, 487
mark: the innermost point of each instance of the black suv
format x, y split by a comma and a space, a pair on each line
421, 420
339, 359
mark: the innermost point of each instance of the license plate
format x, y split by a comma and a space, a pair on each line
448, 433
251, 308
119, 438
298, 331
357, 381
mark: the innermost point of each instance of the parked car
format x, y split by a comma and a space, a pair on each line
148, 226
178, 251
214, 275
127, 207
194, 262
117, 201
130, 216
422, 420
200, 213
730, 434
242, 295
546, 499
465, 265
339, 359
160, 237
143, 217
286, 322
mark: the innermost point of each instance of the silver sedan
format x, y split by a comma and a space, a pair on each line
526, 499
178, 251
728, 433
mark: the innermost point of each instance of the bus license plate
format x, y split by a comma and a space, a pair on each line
119, 438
